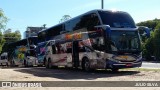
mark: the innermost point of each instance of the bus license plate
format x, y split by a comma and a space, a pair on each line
129, 65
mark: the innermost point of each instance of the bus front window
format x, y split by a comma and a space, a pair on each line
125, 41
117, 19
32, 50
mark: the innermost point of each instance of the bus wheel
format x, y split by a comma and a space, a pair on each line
7, 64
26, 63
114, 69
54, 67
49, 64
13, 64
86, 65
46, 64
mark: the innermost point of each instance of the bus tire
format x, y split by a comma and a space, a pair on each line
44, 61
114, 69
54, 67
13, 64
50, 64
86, 64
6, 64
26, 63
46, 64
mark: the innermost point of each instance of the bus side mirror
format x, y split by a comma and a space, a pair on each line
144, 31
108, 31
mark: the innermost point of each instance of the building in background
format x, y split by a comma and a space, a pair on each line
32, 31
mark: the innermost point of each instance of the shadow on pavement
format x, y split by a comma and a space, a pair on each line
71, 74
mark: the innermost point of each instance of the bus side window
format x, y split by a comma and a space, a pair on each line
69, 50
89, 21
62, 50
53, 49
58, 48
94, 20
87, 49
98, 44
82, 49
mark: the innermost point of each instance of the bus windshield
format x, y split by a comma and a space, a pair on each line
33, 50
125, 41
117, 19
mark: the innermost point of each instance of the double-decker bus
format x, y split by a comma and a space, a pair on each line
23, 52
98, 39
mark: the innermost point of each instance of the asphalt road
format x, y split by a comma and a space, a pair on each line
151, 65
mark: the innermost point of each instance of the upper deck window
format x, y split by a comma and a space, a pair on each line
117, 19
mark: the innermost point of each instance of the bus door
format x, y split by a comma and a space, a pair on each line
75, 54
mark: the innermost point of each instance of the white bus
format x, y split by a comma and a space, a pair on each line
23, 52
98, 39
4, 59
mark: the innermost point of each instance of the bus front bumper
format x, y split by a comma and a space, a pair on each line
111, 64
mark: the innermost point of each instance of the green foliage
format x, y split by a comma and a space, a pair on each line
10, 37
65, 18
147, 50
156, 41
151, 46
150, 23
3, 20
2, 41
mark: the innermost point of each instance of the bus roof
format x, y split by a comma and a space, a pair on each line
96, 10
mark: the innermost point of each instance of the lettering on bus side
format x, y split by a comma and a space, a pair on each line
22, 49
73, 36
68, 36
77, 35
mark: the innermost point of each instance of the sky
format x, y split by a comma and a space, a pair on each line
24, 13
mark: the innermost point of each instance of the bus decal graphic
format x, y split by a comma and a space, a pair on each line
73, 36
61, 60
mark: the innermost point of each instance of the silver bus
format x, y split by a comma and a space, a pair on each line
98, 39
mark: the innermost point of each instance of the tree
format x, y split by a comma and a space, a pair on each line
65, 18
151, 45
7, 31
150, 23
156, 40
2, 41
146, 48
3, 20
10, 36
